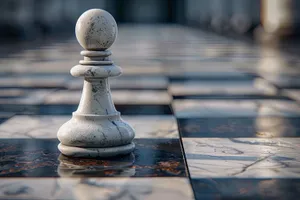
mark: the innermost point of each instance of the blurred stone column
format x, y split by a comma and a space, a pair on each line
246, 15
17, 18
277, 17
70, 12
72, 9
193, 9
83, 6
147, 11
205, 12
48, 15
221, 14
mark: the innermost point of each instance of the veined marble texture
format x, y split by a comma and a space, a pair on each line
9, 93
96, 188
234, 108
151, 97
38, 126
221, 87
34, 97
143, 71
34, 81
203, 69
125, 82
293, 94
243, 157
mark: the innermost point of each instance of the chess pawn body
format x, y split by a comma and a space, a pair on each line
96, 128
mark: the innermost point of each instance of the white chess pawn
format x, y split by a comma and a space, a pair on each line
96, 128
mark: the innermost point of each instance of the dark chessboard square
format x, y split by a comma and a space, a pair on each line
225, 127
5, 116
34, 82
124, 109
144, 109
234, 108
19, 108
229, 89
231, 188
232, 97
127, 97
203, 70
128, 83
41, 158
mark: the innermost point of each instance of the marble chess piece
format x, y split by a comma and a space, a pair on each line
96, 128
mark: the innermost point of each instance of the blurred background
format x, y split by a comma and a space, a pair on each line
264, 19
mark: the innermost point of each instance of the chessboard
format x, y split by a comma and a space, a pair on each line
215, 118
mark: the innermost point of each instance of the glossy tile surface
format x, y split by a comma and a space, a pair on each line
234, 108
223, 127
119, 97
126, 82
180, 69
243, 157
213, 114
215, 89
93, 188
231, 188
23, 126
41, 158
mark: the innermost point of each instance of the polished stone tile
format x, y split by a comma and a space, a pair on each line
137, 66
234, 108
280, 71
34, 82
128, 82
224, 127
203, 71
31, 97
95, 188
47, 67
243, 157
283, 81
292, 93
5, 116
50, 53
255, 88
41, 158
125, 109
141, 97
128, 97
250, 188
47, 126
12, 93
25, 104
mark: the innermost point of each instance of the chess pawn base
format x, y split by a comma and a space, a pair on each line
95, 136
96, 128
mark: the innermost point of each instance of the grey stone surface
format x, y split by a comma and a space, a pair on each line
95, 188
38, 126
242, 157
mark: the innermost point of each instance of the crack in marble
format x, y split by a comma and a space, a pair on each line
235, 151
245, 168
271, 144
97, 100
119, 131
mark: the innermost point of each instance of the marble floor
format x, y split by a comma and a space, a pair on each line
215, 118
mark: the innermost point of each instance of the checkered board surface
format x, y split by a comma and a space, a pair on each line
215, 118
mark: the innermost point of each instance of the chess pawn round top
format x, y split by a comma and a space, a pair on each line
96, 29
